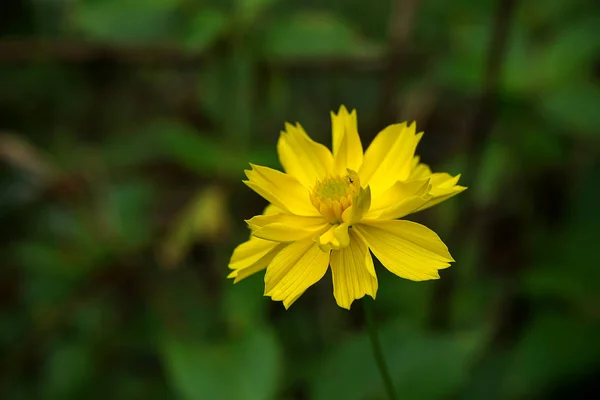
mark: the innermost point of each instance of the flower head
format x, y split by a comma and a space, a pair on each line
333, 209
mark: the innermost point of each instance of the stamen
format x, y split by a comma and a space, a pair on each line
335, 194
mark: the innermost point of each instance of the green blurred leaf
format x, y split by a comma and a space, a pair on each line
245, 369
496, 165
554, 13
207, 155
575, 107
198, 152
463, 66
126, 21
244, 303
238, 111
570, 54
521, 58
210, 89
566, 264
205, 218
205, 28
398, 296
63, 246
279, 94
250, 9
553, 349
44, 258
311, 34
423, 365
125, 215
123, 152
540, 147
67, 371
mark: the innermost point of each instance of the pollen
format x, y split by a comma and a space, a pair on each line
334, 195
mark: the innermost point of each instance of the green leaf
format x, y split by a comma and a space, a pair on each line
463, 67
574, 107
126, 21
311, 34
245, 369
422, 365
207, 155
553, 349
239, 88
571, 53
250, 9
126, 215
496, 166
520, 60
122, 152
245, 304
205, 28
539, 146
566, 263
194, 150
67, 370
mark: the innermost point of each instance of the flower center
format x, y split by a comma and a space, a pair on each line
334, 195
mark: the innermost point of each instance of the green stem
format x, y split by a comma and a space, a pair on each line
377, 353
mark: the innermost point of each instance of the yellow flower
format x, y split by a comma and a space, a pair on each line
335, 209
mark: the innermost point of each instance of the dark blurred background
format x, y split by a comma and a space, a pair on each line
125, 126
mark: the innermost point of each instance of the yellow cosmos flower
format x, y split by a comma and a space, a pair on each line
333, 209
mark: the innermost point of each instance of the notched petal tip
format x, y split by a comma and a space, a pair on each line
450, 258
342, 110
348, 306
293, 270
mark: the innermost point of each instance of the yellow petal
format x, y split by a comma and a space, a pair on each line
251, 257
407, 249
271, 209
419, 170
398, 192
335, 238
407, 206
444, 186
301, 157
294, 269
353, 272
389, 158
280, 189
361, 204
347, 148
440, 196
286, 227
403, 198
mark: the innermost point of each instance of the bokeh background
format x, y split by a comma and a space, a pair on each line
125, 127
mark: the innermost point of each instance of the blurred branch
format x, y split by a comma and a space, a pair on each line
483, 121
475, 139
18, 152
25, 51
400, 31
42, 327
28, 50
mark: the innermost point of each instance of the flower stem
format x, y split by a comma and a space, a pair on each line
377, 353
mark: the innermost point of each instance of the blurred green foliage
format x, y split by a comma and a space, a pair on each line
125, 128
